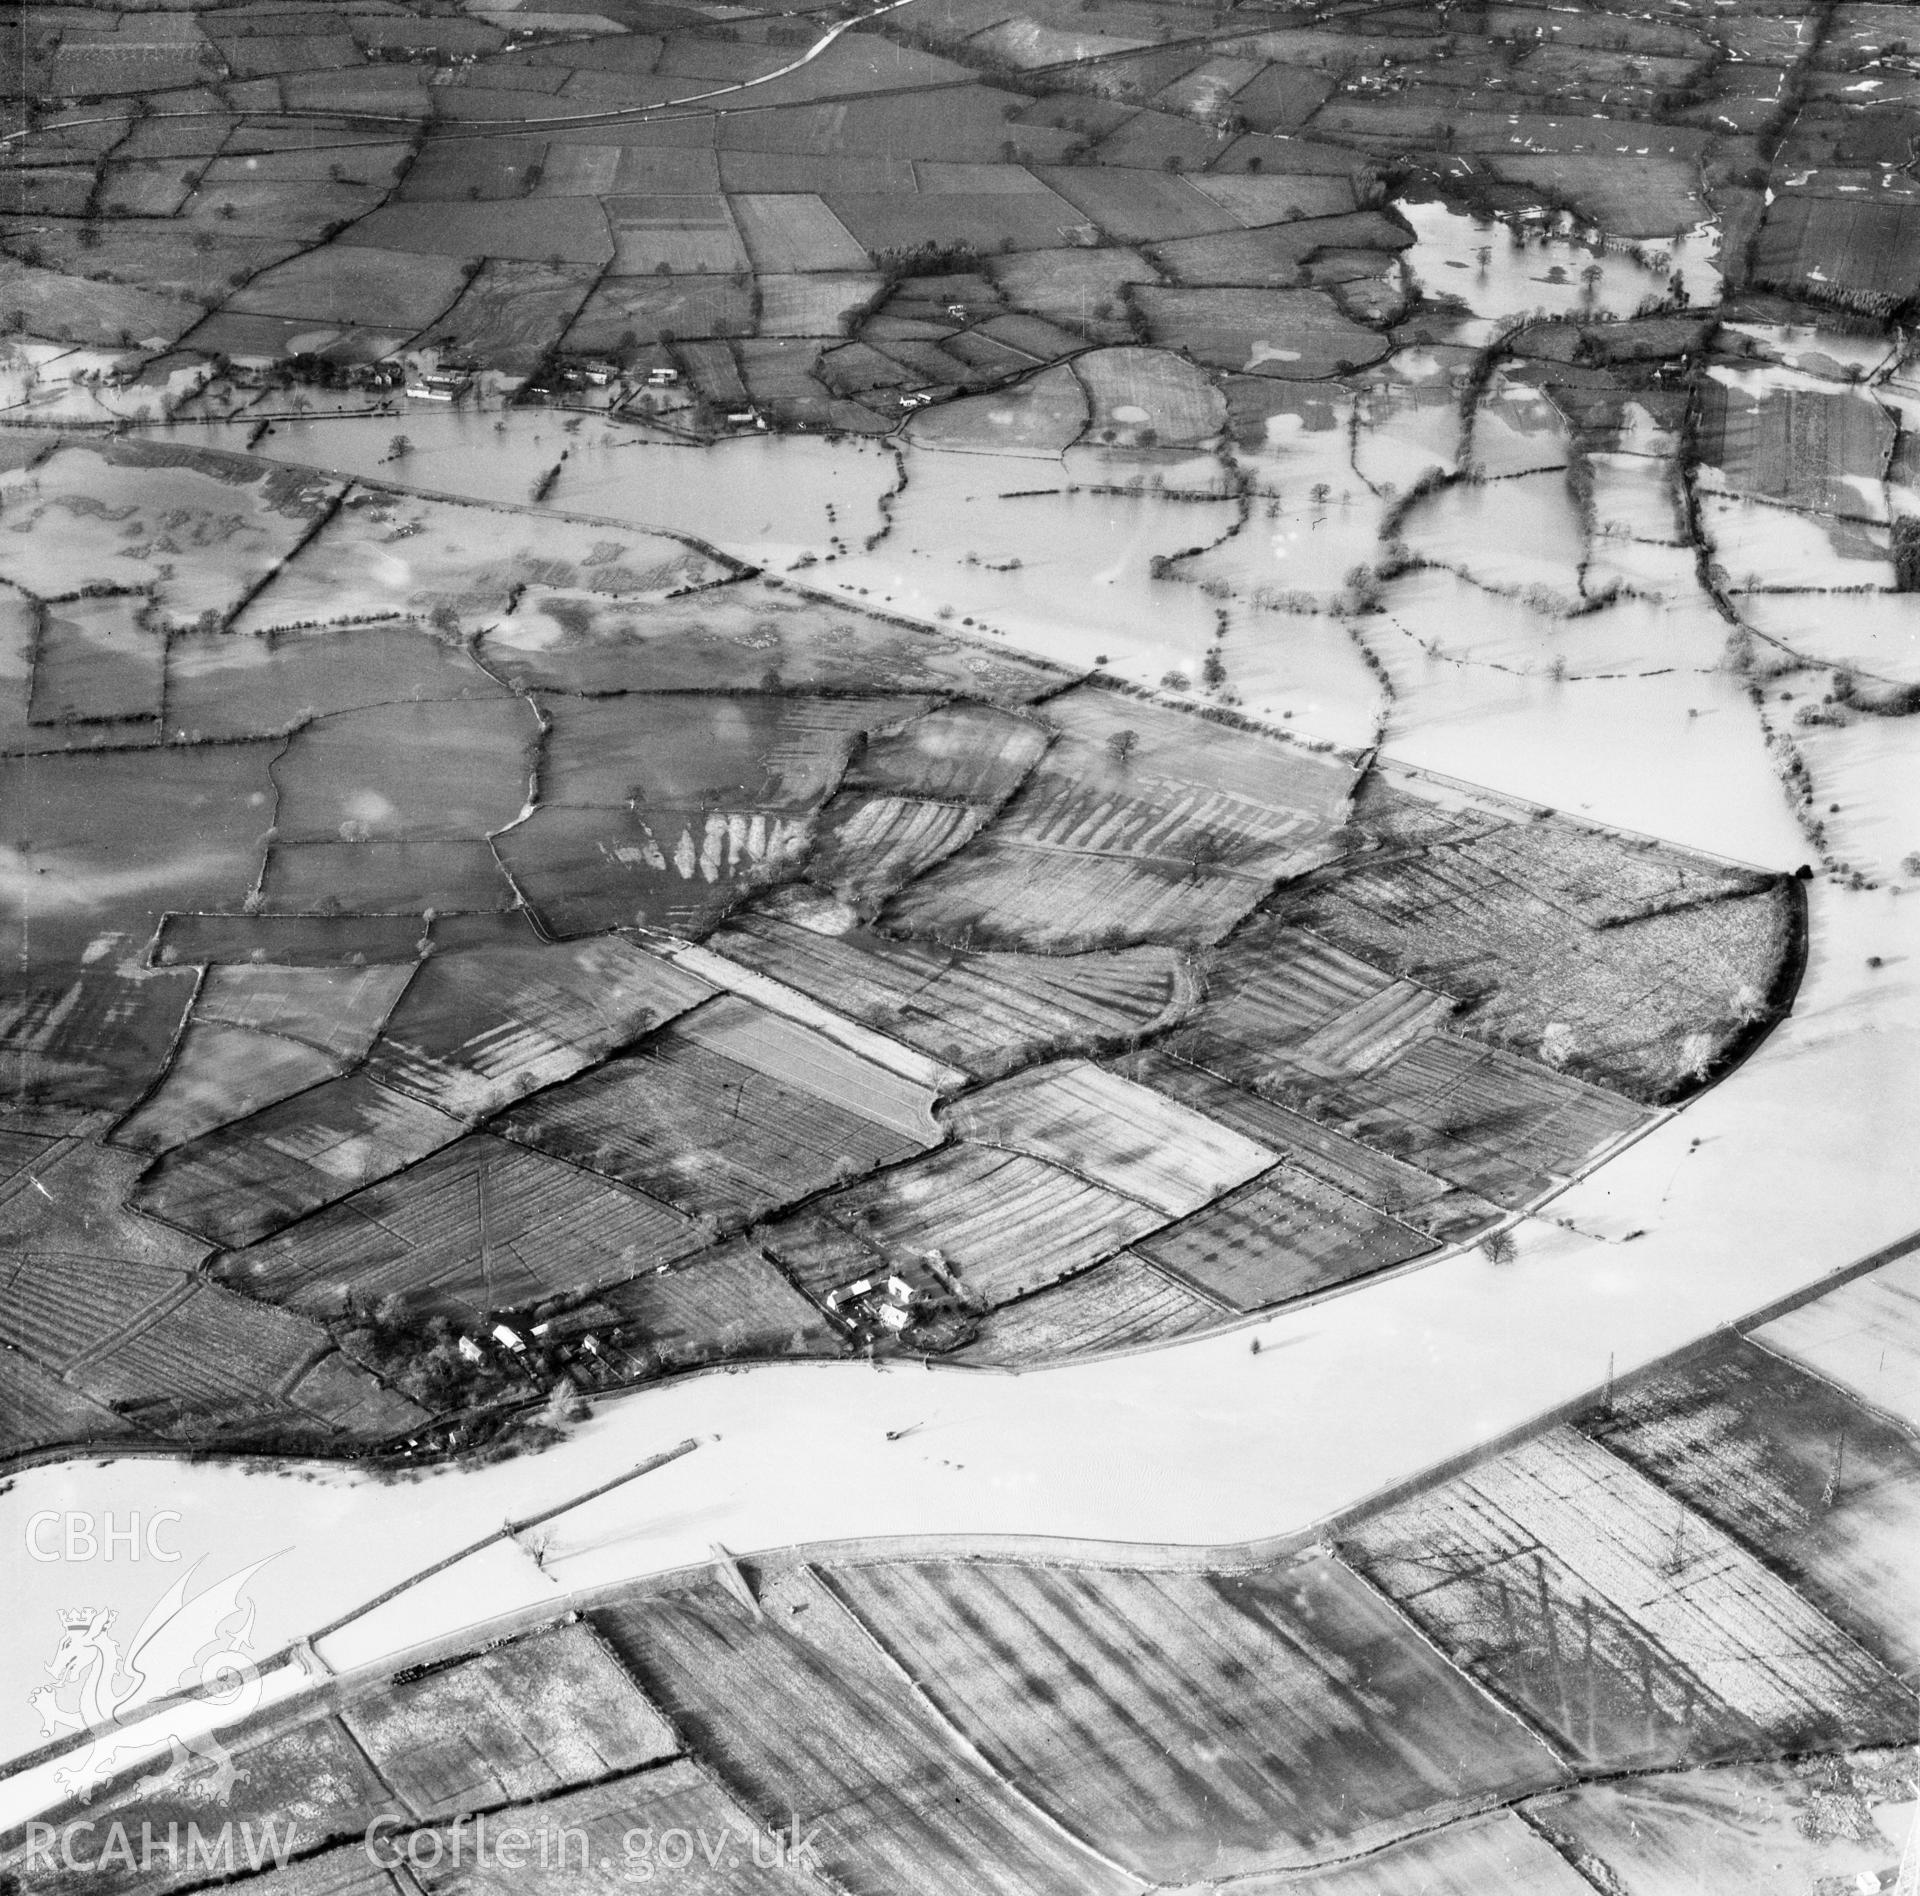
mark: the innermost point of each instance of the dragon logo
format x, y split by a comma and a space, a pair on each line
199, 1646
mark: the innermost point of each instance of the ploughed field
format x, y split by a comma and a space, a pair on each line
1666, 1640
515, 956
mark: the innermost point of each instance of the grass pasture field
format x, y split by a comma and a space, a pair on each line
972, 753
776, 368
125, 833
794, 231
479, 1029
338, 1010
1274, 256
239, 1182
1125, 1137
1001, 1223
797, 1711
714, 369
408, 772
728, 1302
730, 1114
1044, 414
1632, 1629
468, 559
1122, 1303
204, 939
766, 751
87, 310
1824, 1489
380, 287
1284, 1235
92, 640
1296, 335
284, 941
1840, 248
327, 879
984, 1012
218, 1074
1083, 289
890, 222
1863, 1337
1563, 936
96, 661
691, 235
734, 638
819, 303
866, 847
104, 511
1141, 396
1256, 200
1140, 206
1810, 447
479, 1226
516, 1722
513, 313
473, 170
144, 189
656, 309
1197, 1724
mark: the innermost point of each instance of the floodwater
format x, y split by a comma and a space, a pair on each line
1764, 1185
764, 497
1002, 539
1500, 269
1797, 1165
